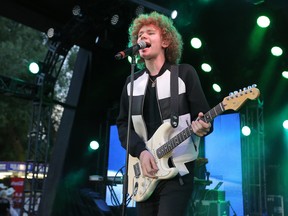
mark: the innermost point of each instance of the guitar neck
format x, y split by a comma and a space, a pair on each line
214, 112
187, 132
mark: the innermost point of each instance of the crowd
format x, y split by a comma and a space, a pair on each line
6, 201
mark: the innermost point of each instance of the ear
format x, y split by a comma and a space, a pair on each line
165, 43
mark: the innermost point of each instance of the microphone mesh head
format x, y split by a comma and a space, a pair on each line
142, 44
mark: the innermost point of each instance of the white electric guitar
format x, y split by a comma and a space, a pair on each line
141, 187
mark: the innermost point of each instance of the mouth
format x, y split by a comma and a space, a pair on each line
147, 47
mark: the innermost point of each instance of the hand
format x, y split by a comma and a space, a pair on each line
199, 127
148, 164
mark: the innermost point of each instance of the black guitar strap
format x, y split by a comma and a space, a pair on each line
174, 96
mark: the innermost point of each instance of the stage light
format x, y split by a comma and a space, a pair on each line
155, 7
174, 14
50, 32
97, 39
76, 11
34, 67
246, 131
285, 74
216, 87
276, 51
263, 21
103, 40
206, 67
94, 145
285, 124
114, 19
139, 10
196, 43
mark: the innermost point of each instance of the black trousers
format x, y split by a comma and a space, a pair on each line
171, 197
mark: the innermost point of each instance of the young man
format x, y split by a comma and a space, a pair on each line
151, 108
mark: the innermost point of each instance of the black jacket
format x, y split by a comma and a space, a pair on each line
191, 101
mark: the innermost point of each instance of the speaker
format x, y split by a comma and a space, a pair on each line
212, 195
275, 205
94, 202
211, 208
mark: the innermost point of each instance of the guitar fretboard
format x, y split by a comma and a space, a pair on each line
187, 132
215, 111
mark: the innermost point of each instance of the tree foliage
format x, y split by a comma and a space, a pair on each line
20, 45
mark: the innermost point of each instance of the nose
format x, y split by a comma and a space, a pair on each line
143, 36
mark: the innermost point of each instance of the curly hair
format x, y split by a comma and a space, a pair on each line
169, 33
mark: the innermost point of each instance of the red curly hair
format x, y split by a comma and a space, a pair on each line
169, 33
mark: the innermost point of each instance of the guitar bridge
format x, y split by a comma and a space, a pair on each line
137, 171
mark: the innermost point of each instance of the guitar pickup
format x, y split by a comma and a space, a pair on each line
137, 170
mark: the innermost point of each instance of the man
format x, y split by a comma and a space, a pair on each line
152, 107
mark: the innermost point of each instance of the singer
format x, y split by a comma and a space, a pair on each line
152, 104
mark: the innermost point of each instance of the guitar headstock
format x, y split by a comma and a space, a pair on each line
237, 98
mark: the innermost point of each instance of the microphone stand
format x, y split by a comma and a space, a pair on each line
125, 183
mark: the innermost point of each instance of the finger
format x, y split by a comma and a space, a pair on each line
154, 165
199, 129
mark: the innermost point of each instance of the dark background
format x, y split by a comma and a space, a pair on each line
224, 26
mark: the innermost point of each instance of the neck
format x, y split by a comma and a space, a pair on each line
154, 65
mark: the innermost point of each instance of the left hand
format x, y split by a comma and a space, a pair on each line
199, 127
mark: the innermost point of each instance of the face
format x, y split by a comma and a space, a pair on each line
151, 34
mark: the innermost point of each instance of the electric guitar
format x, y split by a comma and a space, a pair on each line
141, 187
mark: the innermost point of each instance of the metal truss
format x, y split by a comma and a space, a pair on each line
17, 88
41, 94
39, 136
253, 161
40, 128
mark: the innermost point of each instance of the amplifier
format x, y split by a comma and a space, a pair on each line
218, 195
212, 208
275, 205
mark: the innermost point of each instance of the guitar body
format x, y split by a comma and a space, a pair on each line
142, 187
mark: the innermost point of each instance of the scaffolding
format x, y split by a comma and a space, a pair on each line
253, 160
40, 129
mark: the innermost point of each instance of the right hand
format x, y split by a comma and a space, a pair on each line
148, 164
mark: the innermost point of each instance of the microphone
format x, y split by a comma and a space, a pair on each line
132, 50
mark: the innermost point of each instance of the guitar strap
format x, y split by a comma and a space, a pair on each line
174, 119
174, 96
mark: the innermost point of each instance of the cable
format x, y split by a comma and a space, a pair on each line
234, 213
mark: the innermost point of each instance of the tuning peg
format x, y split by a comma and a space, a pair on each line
240, 92
231, 95
254, 85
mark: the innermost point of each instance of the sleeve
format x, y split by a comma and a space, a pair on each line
136, 144
195, 94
